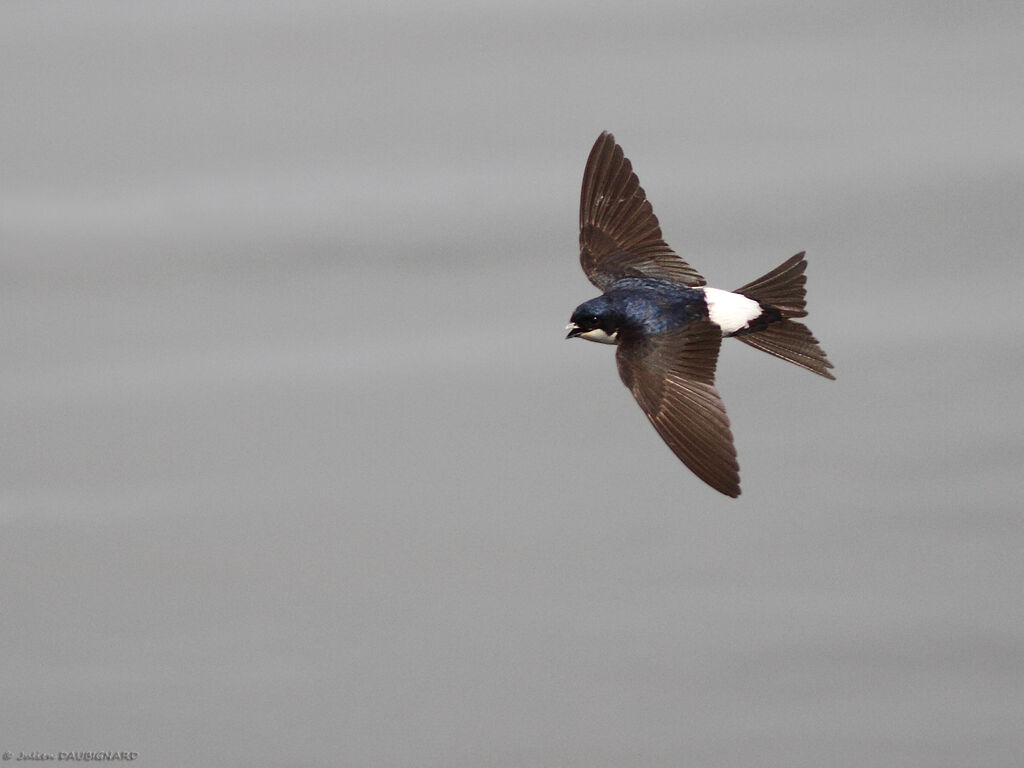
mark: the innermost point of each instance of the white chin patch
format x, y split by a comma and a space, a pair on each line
730, 311
600, 336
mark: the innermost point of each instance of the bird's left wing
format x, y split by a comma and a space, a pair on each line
672, 377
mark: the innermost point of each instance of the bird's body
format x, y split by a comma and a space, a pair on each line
636, 306
648, 306
668, 325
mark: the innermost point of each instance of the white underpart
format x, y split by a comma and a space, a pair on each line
600, 336
730, 311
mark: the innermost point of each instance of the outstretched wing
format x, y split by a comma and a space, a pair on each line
672, 377
619, 233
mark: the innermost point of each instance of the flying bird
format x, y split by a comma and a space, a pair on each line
668, 325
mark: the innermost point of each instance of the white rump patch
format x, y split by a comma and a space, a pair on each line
730, 311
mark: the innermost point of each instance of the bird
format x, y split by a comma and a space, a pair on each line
668, 325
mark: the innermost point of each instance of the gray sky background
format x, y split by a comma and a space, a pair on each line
297, 468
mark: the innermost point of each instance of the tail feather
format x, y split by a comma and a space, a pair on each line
791, 341
784, 289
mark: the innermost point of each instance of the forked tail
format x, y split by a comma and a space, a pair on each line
783, 289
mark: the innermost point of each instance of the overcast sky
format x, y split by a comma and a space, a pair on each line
298, 469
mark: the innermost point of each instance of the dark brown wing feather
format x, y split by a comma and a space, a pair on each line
672, 377
619, 233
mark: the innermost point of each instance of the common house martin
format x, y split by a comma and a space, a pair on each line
668, 325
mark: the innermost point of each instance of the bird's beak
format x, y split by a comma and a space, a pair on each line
574, 330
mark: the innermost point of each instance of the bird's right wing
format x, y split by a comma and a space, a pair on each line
619, 233
672, 377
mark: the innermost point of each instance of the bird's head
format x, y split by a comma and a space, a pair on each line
594, 320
